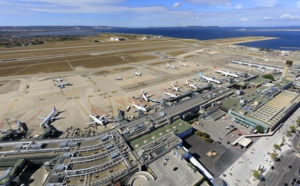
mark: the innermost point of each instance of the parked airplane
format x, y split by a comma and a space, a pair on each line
97, 120
191, 85
183, 64
58, 79
171, 66
138, 73
145, 95
119, 78
49, 118
176, 88
170, 94
260, 70
226, 73
138, 107
62, 85
208, 79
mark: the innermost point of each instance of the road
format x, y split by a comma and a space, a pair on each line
240, 173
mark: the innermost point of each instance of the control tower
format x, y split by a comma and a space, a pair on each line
285, 71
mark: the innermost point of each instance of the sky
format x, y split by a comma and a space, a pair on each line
150, 13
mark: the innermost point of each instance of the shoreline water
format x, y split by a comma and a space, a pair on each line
285, 39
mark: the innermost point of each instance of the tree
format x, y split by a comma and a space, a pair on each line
282, 142
268, 76
293, 129
289, 133
260, 129
273, 155
276, 146
256, 174
298, 121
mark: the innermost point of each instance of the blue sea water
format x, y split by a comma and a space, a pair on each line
288, 38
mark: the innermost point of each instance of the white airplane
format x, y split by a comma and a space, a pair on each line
260, 70
96, 120
171, 66
145, 96
208, 79
176, 88
170, 94
138, 73
183, 64
226, 73
49, 118
58, 80
119, 78
139, 107
190, 84
62, 85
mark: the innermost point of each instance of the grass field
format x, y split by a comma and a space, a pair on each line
175, 53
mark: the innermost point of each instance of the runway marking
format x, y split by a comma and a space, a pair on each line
81, 107
30, 119
70, 65
27, 67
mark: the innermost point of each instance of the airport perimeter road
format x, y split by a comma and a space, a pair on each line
240, 173
281, 169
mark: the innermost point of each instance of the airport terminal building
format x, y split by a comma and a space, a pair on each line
268, 115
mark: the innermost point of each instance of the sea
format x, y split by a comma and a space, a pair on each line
288, 38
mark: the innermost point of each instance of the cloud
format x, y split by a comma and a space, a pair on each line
238, 6
210, 2
197, 17
298, 4
176, 5
244, 19
289, 16
78, 6
267, 18
265, 3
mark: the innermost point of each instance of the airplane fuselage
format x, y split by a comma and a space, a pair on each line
210, 79
227, 73
48, 118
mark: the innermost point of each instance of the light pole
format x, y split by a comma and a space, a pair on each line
8, 123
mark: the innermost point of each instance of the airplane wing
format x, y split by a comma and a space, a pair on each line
102, 117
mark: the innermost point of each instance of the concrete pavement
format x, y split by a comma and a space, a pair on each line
240, 173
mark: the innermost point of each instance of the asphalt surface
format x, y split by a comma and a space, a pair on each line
240, 172
282, 173
217, 164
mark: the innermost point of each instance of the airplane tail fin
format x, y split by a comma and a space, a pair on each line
186, 81
200, 74
54, 109
216, 68
166, 91
142, 91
